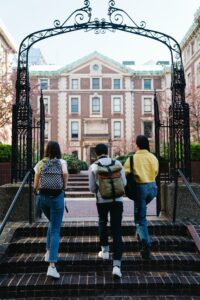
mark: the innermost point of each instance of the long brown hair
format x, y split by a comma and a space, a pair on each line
52, 150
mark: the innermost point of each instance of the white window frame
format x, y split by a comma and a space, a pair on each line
113, 97
46, 79
113, 83
70, 129
78, 84
143, 105
70, 104
91, 112
142, 129
113, 128
48, 104
91, 83
47, 130
151, 84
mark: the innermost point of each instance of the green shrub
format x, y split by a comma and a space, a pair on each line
74, 164
5, 153
195, 151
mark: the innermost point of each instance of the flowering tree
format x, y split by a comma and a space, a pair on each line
193, 98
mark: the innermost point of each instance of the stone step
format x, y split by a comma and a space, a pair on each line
78, 183
132, 261
81, 228
78, 178
79, 194
101, 283
76, 188
91, 243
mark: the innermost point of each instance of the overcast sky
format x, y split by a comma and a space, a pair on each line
173, 17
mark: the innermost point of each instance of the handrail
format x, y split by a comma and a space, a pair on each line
7, 216
197, 200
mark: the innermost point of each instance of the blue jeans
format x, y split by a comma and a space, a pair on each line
146, 192
53, 208
116, 210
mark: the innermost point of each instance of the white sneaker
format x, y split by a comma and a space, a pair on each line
104, 255
117, 272
53, 272
46, 257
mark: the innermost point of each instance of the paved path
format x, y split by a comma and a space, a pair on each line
85, 209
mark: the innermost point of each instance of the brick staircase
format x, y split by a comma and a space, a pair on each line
78, 186
173, 273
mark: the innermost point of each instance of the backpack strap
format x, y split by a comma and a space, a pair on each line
131, 164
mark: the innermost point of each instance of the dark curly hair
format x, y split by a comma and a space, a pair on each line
142, 142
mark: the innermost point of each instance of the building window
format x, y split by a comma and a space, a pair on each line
198, 74
74, 105
74, 130
95, 83
116, 84
74, 84
147, 84
46, 101
117, 129
147, 104
116, 105
46, 105
96, 105
148, 129
44, 84
47, 135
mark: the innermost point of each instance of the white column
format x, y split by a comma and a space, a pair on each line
129, 114
62, 114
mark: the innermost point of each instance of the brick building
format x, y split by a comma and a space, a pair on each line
7, 50
191, 58
96, 99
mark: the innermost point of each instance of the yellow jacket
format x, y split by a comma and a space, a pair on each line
145, 166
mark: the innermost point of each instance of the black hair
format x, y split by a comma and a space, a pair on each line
101, 149
52, 150
142, 142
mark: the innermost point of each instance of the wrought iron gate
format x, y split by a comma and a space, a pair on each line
118, 19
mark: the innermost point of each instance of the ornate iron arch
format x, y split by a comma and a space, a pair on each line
119, 20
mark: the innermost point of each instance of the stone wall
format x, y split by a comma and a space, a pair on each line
21, 210
186, 205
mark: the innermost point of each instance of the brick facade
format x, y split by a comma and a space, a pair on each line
99, 100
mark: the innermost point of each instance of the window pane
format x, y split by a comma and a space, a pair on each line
117, 129
148, 129
116, 83
46, 105
117, 105
95, 83
44, 84
147, 105
74, 129
74, 84
74, 105
96, 105
147, 84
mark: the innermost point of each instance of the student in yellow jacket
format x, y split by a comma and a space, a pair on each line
145, 169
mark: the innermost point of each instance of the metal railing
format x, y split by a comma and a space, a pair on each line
194, 196
27, 177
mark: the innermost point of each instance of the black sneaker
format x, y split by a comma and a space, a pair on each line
146, 253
